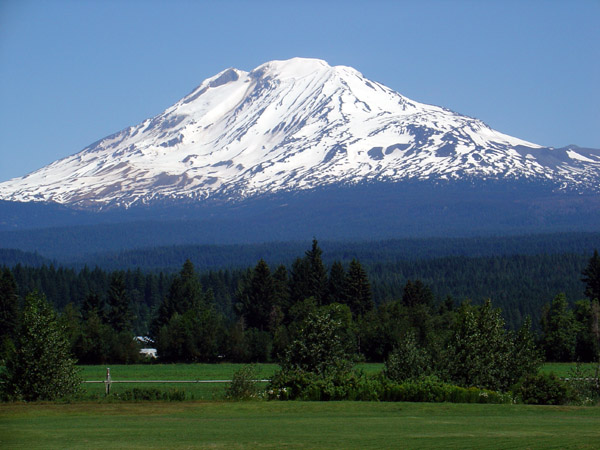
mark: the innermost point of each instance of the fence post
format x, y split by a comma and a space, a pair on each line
108, 380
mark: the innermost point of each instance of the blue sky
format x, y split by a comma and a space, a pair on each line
72, 72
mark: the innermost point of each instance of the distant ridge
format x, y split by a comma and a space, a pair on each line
10, 257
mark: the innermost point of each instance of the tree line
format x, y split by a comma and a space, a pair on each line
519, 284
235, 256
254, 315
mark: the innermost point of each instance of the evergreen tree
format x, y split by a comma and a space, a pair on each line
559, 331
237, 343
337, 283
300, 284
41, 367
9, 311
187, 328
417, 294
309, 277
119, 315
358, 290
93, 305
191, 337
417, 299
257, 297
93, 345
281, 288
587, 316
591, 277
595, 326
70, 319
318, 273
185, 293
382, 330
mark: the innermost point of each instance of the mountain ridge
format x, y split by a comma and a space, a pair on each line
290, 126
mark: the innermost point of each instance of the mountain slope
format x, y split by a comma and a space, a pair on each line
294, 125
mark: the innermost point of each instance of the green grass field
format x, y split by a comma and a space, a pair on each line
225, 371
200, 391
188, 371
148, 372
261, 424
322, 425
564, 369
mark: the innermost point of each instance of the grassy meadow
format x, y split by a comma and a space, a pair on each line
209, 422
150, 372
348, 425
225, 371
565, 370
199, 391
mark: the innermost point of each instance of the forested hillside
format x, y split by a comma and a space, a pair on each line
73, 249
255, 314
519, 284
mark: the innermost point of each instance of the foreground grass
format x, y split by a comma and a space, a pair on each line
296, 425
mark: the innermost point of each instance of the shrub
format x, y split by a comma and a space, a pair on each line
543, 389
151, 394
407, 361
243, 385
302, 385
584, 385
356, 386
431, 389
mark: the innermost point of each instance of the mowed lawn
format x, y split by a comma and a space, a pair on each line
261, 424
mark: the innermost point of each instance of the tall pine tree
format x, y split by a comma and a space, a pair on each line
337, 283
9, 308
185, 293
318, 273
559, 330
257, 297
591, 277
119, 315
358, 290
417, 293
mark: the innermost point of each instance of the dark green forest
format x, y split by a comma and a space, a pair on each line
240, 256
253, 314
518, 284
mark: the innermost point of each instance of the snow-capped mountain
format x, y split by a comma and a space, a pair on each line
293, 125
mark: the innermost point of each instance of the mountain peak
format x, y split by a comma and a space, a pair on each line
291, 68
224, 77
293, 125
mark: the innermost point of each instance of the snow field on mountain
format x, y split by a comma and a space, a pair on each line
286, 125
